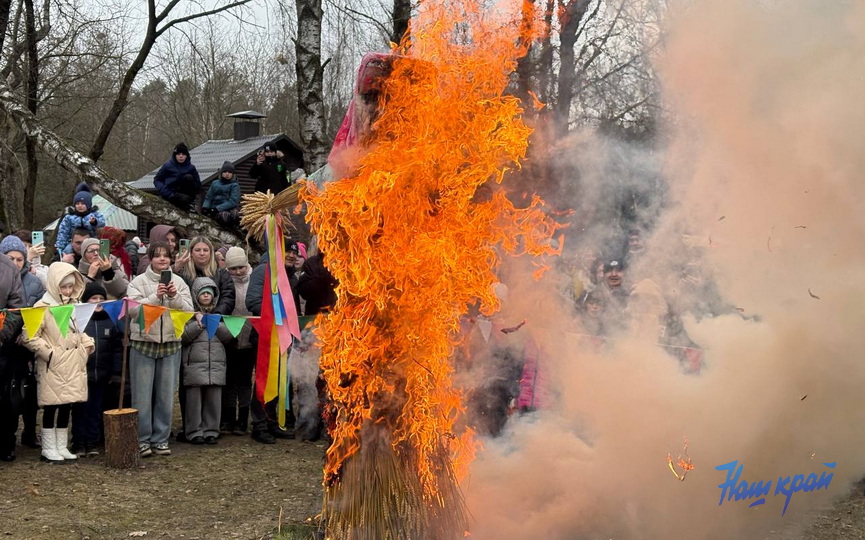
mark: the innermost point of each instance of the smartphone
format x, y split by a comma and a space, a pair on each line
104, 248
37, 237
165, 277
184, 246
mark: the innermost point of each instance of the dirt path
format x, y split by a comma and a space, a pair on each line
232, 490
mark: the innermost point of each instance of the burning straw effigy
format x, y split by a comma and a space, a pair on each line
412, 242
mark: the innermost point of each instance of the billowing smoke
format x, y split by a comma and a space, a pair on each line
765, 198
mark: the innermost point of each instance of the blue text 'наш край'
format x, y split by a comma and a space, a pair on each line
742, 490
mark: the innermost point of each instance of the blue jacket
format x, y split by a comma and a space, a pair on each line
171, 173
223, 195
74, 220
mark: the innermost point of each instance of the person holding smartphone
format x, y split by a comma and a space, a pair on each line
154, 355
99, 266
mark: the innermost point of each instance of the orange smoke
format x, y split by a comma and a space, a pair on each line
413, 242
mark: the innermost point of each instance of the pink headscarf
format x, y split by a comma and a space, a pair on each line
373, 68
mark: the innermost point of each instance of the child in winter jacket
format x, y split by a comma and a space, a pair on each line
108, 341
178, 181
61, 361
82, 215
204, 366
222, 202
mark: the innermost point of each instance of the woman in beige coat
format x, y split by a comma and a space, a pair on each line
61, 362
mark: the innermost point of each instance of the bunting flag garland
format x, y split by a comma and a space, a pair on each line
83, 314
151, 314
211, 323
179, 320
233, 323
32, 320
114, 309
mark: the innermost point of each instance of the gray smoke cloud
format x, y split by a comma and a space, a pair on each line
763, 166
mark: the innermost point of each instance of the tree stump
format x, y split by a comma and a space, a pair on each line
121, 438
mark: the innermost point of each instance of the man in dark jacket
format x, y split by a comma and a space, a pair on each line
264, 426
177, 180
316, 285
11, 370
270, 171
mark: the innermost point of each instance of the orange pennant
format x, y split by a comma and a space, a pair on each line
151, 313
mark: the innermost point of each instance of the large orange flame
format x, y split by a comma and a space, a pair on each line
414, 235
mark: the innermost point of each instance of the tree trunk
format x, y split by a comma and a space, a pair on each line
5, 8
137, 202
121, 438
570, 17
310, 85
401, 16
32, 103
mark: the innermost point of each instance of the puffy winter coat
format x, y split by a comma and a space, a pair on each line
114, 279
33, 288
143, 290
73, 220
204, 361
317, 286
223, 195
61, 362
171, 172
108, 343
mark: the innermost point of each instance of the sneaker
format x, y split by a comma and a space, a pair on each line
280, 433
145, 450
92, 451
198, 439
210, 440
161, 449
79, 450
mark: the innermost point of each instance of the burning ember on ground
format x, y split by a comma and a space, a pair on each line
414, 233
683, 463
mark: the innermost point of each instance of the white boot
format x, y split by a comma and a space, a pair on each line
62, 442
49, 446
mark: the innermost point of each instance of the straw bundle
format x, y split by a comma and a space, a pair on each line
257, 206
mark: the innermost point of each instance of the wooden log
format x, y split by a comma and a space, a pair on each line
121, 438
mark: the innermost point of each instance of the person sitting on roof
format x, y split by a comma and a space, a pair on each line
81, 215
222, 202
270, 171
178, 181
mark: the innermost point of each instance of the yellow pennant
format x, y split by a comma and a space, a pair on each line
179, 320
32, 319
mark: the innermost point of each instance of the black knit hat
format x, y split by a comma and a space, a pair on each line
92, 289
181, 148
227, 167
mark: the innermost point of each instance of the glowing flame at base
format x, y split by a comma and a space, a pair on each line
412, 245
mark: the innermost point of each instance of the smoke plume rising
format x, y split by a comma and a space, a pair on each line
763, 165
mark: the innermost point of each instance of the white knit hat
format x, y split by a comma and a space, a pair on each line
235, 256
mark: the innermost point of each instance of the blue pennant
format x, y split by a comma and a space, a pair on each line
211, 322
113, 309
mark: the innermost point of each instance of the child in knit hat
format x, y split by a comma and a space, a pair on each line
81, 215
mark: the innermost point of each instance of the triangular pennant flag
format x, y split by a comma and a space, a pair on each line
211, 322
305, 320
2, 318
140, 319
63, 314
128, 304
151, 313
83, 313
113, 309
486, 327
234, 324
32, 319
179, 319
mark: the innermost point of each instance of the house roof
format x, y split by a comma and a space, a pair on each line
209, 156
114, 216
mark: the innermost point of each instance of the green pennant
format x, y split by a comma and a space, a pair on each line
234, 324
140, 320
63, 314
